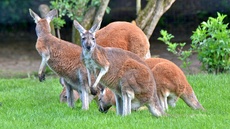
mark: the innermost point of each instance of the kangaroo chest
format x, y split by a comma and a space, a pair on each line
90, 64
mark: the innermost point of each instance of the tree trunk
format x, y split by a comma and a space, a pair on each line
149, 17
138, 6
152, 22
145, 14
101, 11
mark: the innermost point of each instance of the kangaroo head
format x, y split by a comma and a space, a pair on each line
104, 100
88, 40
43, 25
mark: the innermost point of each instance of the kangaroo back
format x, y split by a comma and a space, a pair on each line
126, 36
172, 83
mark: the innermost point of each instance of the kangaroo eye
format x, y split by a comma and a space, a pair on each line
83, 38
93, 38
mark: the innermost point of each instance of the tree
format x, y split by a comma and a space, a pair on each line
148, 18
86, 12
89, 12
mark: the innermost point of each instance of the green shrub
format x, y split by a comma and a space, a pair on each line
211, 41
177, 49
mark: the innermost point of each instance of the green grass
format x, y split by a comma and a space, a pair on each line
27, 103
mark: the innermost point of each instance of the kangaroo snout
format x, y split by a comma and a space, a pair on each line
42, 77
88, 48
102, 110
87, 45
93, 91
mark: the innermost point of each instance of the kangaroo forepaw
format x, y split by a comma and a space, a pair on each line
93, 91
42, 77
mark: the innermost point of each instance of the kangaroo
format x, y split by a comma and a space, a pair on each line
63, 58
122, 71
171, 85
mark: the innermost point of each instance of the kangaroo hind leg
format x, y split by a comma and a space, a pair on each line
84, 87
155, 107
119, 104
127, 83
163, 101
127, 98
70, 96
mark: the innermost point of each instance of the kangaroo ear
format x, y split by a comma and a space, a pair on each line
50, 15
79, 27
34, 16
95, 27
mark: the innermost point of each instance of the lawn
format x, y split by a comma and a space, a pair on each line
28, 103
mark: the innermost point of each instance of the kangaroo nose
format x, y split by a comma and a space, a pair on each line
88, 47
102, 110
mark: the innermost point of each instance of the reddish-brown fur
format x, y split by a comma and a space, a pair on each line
66, 51
171, 83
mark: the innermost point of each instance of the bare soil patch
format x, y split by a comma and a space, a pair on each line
19, 58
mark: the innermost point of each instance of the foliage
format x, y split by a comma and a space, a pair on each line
211, 41
74, 9
11, 7
58, 22
13, 16
177, 49
29, 103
